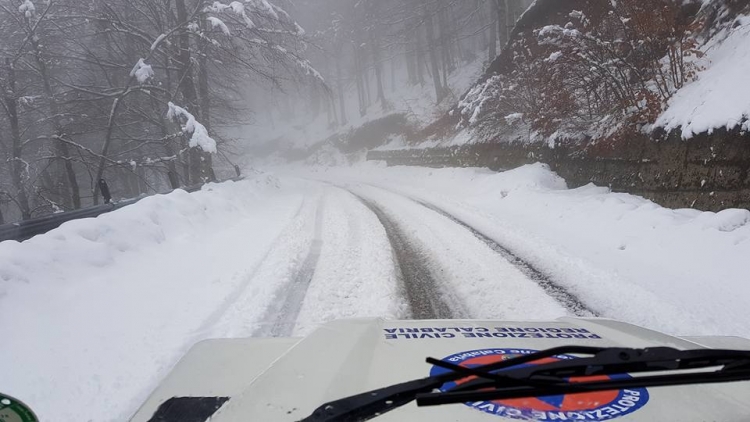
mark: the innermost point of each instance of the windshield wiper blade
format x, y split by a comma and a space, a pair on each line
553, 378
365, 406
505, 379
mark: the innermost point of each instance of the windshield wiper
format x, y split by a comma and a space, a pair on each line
653, 367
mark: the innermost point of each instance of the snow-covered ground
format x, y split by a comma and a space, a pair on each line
680, 271
720, 97
95, 313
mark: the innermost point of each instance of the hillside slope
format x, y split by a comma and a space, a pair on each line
607, 93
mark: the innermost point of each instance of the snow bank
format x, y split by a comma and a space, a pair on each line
95, 313
720, 97
683, 271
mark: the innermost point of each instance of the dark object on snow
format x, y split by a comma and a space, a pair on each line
237, 170
173, 180
188, 409
104, 189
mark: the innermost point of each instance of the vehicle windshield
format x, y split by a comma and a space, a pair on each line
173, 171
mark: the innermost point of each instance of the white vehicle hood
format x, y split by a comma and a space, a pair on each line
287, 379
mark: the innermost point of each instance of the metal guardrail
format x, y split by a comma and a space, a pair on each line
24, 230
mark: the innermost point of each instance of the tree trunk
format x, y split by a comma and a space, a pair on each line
482, 23
504, 21
393, 70
61, 147
203, 88
365, 77
420, 57
411, 71
433, 53
444, 49
173, 176
17, 167
199, 160
360, 84
494, 12
378, 72
340, 88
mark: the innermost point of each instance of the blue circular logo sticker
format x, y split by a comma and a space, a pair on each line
597, 406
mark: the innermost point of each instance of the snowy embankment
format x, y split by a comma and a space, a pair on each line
720, 97
684, 272
95, 313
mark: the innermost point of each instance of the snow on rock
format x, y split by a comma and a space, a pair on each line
720, 97
142, 72
200, 137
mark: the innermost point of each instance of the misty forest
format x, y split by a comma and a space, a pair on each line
148, 94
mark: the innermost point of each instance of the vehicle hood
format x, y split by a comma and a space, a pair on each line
285, 379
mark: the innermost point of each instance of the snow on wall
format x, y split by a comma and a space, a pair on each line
720, 97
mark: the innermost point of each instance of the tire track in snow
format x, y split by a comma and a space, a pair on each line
231, 298
567, 299
356, 276
419, 287
285, 309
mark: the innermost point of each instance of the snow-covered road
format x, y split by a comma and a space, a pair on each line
96, 312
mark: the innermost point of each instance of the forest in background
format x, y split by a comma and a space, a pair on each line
365, 43
378, 58
143, 93
130, 91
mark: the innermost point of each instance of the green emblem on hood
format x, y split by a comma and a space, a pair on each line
12, 410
